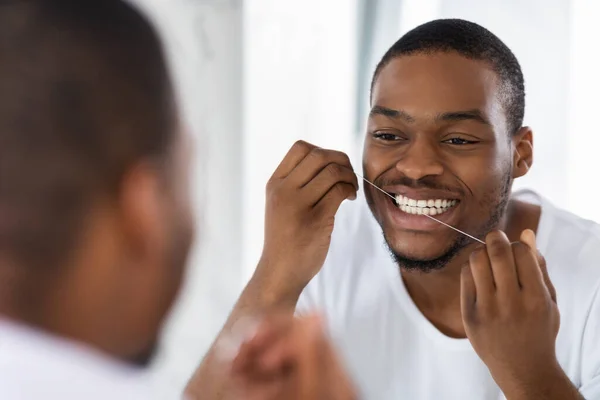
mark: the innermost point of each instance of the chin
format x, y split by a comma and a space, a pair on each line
420, 245
414, 253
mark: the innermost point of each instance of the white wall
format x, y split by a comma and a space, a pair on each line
583, 136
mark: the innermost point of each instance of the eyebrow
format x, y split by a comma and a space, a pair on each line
468, 115
452, 116
391, 113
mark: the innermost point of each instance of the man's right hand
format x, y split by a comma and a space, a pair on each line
290, 358
303, 196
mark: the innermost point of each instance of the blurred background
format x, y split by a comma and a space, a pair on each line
254, 76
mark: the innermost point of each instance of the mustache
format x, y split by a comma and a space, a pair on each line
427, 182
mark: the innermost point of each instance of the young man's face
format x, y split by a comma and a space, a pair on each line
437, 135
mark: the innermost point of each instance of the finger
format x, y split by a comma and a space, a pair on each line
481, 270
330, 203
294, 156
530, 274
325, 180
528, 237
503, 264
468, 291
258, 369
249, 387
271, 329
278, 356
314, 162
283, 353
543, 267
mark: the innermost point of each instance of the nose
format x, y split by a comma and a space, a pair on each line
420, 159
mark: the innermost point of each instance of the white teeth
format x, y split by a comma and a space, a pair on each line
424, 207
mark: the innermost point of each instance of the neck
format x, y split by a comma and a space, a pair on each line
437, 294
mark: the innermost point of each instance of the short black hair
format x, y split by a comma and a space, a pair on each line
471, 41
85, 94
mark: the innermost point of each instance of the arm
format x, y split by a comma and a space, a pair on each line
211, 381
549, 383
303, 196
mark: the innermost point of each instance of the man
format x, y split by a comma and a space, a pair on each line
444, 317
95, 221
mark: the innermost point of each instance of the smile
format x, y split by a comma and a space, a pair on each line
424, 207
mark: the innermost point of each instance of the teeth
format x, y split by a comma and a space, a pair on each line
424, 207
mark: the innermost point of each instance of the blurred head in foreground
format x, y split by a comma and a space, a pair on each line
95, 220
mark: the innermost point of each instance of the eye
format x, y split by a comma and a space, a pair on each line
459, 141
387, 136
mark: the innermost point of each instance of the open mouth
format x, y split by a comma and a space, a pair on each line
423, 207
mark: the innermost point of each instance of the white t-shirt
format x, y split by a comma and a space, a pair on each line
393, 352
35, 365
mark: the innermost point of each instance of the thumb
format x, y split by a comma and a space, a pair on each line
528, 237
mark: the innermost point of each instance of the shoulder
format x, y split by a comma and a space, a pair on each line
36, 365
570, 243
572, 251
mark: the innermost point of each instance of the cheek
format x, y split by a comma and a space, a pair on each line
482, 171
376, 161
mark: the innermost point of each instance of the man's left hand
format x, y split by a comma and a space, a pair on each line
509, 311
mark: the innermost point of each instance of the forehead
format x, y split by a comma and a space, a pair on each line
426, 84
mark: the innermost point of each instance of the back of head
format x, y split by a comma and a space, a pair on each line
472, 41
84, 95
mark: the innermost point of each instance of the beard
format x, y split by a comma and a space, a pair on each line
495, 201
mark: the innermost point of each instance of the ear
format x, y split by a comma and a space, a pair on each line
141, 204
522, 152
